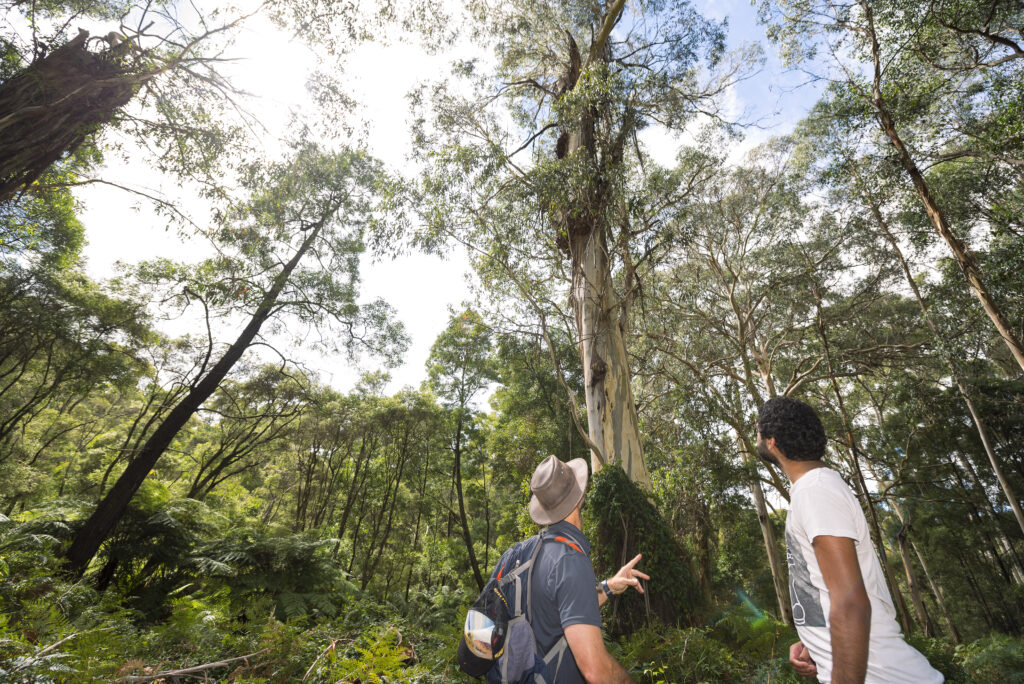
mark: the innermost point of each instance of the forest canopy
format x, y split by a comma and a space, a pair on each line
376, 261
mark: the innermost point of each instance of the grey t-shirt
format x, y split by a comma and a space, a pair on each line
564, 593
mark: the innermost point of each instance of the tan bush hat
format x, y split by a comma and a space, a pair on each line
557, 489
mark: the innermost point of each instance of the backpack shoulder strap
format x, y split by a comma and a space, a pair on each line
529, 574
569, 542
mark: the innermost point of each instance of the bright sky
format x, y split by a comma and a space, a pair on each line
121, 227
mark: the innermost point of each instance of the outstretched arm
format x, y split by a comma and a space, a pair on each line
593, 659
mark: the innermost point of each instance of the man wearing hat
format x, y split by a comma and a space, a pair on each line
567, 596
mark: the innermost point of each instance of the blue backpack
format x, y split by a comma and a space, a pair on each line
498, 640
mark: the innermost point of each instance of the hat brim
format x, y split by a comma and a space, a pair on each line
549, 516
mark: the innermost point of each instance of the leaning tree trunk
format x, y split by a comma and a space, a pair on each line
964, 259
48, 110
862, 489
612, 421
113, 506
939, 597
912, 581
979, 424
912, 584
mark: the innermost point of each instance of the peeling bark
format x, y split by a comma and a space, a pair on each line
613, 424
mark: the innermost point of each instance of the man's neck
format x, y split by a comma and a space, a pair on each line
794, 470
575, 519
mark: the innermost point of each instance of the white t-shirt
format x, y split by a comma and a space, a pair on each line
821, 504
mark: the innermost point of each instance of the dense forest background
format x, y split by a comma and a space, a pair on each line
195, 499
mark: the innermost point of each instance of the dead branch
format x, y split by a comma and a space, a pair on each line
188, 670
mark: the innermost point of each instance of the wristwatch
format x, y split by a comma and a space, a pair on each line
606, 588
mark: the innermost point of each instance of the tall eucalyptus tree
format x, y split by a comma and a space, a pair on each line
459, 369
573, 85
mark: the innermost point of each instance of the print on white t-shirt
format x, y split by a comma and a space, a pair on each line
807, 610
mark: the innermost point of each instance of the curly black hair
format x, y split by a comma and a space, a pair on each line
795, 426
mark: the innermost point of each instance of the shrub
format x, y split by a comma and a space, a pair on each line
295, 572
628, 524
942, 655
995, 658
659, 656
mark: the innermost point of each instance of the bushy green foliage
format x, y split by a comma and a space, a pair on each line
53, 630
627, 524
295, 572
996, 658
942, 655
741, 645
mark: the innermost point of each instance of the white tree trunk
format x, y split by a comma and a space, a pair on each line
612, 419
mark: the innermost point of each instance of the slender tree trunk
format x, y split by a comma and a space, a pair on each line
302, 496
939, 596
353, 491
997, 569
268, 512
869, 507
355, 537
391, 513
113, 506
372, 542
980, 595
487, 521
419, 513
979, 424
915, 592
964, 259
387, 580
462, 504
768, 535
360, 490
912, 582
993, 461
703, 534
1013, 574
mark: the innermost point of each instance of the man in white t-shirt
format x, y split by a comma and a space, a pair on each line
841, 606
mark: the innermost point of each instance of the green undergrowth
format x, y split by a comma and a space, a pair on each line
372, 642
275, 609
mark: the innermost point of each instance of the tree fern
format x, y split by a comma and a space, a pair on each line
291, 604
